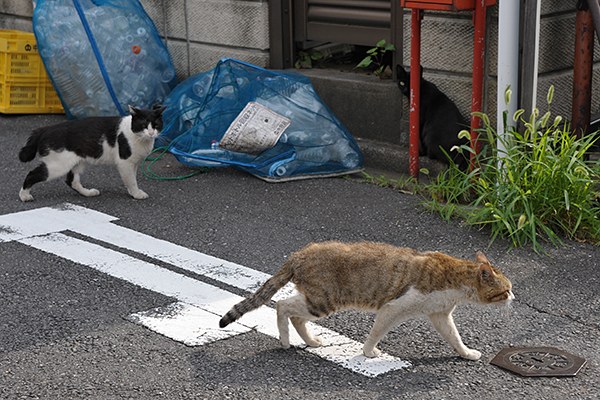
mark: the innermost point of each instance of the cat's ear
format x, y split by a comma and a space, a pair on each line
486, 273
401, 73
133, 110
481, 258
158, 109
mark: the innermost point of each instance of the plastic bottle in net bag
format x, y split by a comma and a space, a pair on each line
102, 55
221, 105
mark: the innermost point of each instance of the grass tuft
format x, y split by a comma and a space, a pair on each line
530, 186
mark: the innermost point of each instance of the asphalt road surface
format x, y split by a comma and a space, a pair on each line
86, 284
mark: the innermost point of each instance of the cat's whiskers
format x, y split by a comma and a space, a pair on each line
507, 309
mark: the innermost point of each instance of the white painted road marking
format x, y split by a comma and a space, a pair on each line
193, 319
185, 323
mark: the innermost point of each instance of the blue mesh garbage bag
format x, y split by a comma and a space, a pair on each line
102, 55
270, 124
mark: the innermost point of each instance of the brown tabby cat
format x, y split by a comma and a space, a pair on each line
398, 283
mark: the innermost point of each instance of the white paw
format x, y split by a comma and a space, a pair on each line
472, 355
90, 192
24, 195
316, 341
285, 343
371, 353
139, 195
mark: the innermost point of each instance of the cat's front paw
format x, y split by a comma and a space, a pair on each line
285, 343
90, 192
315, 341
371, 353
471, 355
24, 195
139, 195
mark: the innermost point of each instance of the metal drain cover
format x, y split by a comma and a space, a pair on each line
538, 361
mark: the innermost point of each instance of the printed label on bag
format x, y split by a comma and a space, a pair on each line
254, 130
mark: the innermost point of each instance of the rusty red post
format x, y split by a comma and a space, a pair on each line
415, 93
478, 68
582, 69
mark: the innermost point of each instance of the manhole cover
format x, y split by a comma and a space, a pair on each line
538, 361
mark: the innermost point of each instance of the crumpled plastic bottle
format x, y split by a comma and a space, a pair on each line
210, 157
129, 59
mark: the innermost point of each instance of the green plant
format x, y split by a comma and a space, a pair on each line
377, 57
526, 186
306, 59
404, 184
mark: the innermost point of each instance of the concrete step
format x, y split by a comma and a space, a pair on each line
376, 114
391, 158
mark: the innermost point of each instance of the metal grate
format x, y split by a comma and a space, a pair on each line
356, 22
538, 361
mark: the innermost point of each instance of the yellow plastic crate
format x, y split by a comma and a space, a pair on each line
24, 84
29, 98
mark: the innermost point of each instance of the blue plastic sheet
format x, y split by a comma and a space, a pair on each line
102, 55
281, 129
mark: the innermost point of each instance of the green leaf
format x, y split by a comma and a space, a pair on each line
317, 56
365, 63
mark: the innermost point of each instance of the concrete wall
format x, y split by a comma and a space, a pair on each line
16, 14
198, 32
447, 57
557, 52
205, 31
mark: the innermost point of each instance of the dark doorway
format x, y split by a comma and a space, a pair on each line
298, 25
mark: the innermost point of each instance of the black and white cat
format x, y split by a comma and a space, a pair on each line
440, 121
66, 148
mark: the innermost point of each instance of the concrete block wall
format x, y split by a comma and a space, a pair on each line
198, 32
16, 14
557, 52
446, 54
201, 32
447, 57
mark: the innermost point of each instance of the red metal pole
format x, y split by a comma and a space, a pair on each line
415, 93
478, 67
582, 69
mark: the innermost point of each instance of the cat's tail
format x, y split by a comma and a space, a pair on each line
260, 297
30, 149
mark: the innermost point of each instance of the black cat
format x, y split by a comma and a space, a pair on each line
440, 121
